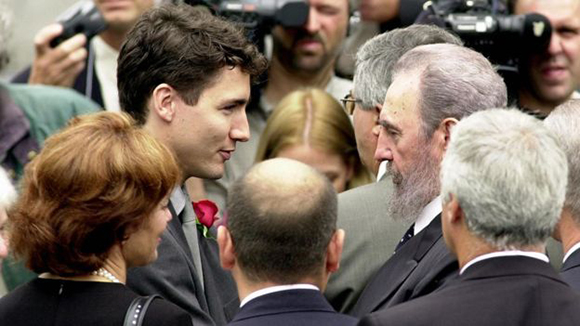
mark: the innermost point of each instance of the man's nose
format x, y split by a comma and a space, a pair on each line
383, 151
240, 129
313, 23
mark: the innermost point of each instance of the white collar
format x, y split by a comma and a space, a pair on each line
428, 214
571, 251
178, 198
382, 170
277, 288
505, 253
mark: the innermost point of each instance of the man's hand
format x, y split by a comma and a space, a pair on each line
57, 66
379, 11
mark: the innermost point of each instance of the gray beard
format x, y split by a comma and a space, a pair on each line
414, 192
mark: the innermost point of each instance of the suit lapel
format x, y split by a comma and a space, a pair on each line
174, 228
220, 286
397, 269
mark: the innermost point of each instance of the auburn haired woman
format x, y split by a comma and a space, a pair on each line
92, 205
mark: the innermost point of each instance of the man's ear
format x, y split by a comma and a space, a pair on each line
164, 99
227, 251
334, 251
453, 211
446, 126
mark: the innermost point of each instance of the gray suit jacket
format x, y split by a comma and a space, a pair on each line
173, 277
371, 238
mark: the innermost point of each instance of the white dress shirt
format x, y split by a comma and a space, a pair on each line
106, 70
571, 251
428, 214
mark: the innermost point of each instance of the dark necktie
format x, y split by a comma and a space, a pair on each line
406, 237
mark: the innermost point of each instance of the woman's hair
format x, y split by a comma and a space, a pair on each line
312, 116
92, 185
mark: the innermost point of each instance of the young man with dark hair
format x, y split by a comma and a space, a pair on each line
185, 75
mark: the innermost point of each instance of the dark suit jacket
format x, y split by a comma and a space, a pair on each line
291, 307
173, 276
505, 291
418, 268
371, 237
571, 270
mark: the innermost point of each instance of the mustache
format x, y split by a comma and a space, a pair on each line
304, 35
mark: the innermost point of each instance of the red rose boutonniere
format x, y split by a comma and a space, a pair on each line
206, 211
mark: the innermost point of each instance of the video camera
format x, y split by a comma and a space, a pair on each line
259, 16
486, 27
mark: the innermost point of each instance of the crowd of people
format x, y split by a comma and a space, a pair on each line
429, 197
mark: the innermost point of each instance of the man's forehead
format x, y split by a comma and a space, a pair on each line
557, 7
331, 3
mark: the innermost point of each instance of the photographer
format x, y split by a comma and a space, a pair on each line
541, 50
550, 78
88, 66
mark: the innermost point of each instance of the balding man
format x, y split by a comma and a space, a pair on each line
281, 244
500, 205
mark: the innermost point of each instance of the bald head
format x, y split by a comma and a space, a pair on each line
281, 217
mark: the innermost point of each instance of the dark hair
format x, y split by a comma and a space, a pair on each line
184, 47
281, 233
93, 184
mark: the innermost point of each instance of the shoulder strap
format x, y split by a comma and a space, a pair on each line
137, 309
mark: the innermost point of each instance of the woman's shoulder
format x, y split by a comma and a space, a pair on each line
163, 312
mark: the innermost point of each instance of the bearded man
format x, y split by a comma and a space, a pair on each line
416, 121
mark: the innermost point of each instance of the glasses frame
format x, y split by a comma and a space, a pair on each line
349, 103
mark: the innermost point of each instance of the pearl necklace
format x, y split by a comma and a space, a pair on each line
106, 274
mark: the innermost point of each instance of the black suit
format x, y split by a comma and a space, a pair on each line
300, 307
416, 269
505, 291
174, 277
570, 271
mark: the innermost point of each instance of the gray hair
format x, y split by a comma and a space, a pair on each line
375, 59
509, 176
454, 82
564, 123
7, 191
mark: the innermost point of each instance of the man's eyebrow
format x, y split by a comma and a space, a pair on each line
387, 124
235, 101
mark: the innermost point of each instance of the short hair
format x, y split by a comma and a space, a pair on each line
7, 191
454, 82
312, 116
564, 123
184, 47
509, 176
375, 59
281, 222
93, 183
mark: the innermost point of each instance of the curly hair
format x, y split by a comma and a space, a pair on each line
92, 185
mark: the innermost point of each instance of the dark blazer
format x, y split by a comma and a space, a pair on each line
291, 307
570, 271
419, 267
371, 237
505, 291
173, 276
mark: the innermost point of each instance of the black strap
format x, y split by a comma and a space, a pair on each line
136, 312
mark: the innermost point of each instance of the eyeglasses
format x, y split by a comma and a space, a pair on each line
349, 103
